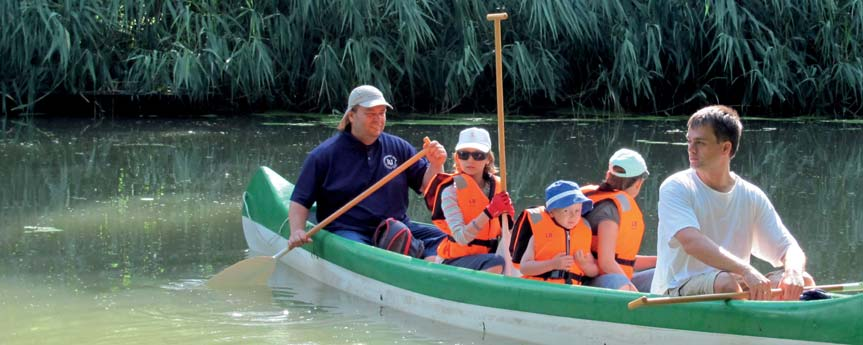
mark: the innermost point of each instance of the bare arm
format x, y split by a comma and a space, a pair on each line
297, 217
795, 259
587, 263
705, 250
531, 267
643, 262
792, 279
605, 248
431, 171
436, 155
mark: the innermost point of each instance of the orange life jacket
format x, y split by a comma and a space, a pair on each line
550, 239
630, 228
471, 202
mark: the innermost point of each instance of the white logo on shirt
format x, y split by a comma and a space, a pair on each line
390, 162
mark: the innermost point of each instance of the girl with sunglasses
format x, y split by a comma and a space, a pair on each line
468, 203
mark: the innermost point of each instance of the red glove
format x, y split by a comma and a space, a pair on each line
500, 203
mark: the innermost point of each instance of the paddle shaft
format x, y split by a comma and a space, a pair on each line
644, 300
361, 197
498, 57
498, 68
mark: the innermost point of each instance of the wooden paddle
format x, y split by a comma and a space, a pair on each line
498, 57
503, 247
257, 270
648, 301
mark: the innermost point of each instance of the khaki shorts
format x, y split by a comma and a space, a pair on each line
702, 284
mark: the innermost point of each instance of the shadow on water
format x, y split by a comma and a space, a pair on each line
101, 215
357, 316
184, 311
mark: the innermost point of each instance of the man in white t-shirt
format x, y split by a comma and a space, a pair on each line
711, 221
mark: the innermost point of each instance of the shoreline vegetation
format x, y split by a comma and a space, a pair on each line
776, 59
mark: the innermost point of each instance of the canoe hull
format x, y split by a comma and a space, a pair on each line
516, 308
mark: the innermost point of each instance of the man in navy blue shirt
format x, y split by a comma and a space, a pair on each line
348, 163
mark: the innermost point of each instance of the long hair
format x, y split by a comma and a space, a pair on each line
345, 123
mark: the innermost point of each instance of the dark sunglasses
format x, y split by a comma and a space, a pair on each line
477, 156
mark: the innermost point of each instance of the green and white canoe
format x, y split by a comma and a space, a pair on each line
528, 310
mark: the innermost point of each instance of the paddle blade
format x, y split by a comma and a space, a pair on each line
253, 271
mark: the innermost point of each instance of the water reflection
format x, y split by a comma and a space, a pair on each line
186, 312
103, 221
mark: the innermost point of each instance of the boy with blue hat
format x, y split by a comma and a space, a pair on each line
552, 242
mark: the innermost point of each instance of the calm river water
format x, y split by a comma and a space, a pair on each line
109, 228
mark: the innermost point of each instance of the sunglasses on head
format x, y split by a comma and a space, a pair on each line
477, 155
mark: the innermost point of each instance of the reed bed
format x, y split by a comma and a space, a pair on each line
649, 56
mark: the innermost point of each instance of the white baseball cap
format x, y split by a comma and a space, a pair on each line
474, 138
366, 96
630, 161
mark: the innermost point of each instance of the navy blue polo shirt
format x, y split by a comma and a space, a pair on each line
342, 167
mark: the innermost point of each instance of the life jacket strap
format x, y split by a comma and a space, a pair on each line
561, 274
622, 261
490, 244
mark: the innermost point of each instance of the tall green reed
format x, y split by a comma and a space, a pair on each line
618, 55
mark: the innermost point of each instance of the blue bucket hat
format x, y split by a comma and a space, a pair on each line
562, 194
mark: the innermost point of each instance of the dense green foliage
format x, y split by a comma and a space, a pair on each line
654, 56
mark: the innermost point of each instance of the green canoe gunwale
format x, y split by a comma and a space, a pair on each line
836, 320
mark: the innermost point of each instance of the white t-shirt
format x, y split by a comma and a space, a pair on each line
742, 221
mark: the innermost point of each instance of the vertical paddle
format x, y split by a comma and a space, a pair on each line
648, 301
505, 231
257, 270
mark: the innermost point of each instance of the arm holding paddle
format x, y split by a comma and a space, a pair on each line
705, 250
257, 270
791, 282
297, 216
793, 278
299, 236
709, 215
650, 301
436, 155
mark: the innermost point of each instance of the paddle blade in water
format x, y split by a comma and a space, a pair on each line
254, 271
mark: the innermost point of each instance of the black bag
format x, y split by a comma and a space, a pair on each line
520, 237
395, 236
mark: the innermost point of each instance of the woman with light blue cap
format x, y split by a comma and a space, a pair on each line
552, 242
618, 225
